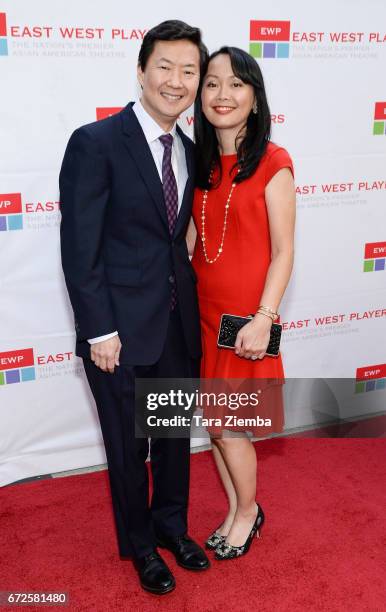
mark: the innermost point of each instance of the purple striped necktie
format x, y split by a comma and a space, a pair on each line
169, 185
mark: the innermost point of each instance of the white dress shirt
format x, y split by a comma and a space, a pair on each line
152, 132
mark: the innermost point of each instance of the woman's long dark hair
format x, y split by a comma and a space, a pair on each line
258, 127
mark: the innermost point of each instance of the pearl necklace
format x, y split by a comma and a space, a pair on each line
203, 236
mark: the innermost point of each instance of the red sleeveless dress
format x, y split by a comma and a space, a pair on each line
235, 282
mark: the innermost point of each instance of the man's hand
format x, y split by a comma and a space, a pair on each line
105, 354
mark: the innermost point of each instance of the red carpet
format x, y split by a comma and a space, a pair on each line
323, 545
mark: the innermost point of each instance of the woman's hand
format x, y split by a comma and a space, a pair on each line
253, 339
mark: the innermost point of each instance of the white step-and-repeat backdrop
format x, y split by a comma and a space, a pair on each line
67, 63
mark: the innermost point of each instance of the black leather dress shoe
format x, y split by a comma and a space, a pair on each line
154, 574
188, 554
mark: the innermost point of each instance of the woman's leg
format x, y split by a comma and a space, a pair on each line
228, 486
240, 461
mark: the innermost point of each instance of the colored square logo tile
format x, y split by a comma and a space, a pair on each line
368, 266
2, 381
381, 383
379, 111
12, 376
378, 128
269, 50
3, 223
256, 49
359, 387
3, 46
27, 374
15, 222
282, 50
3, 24
370, 385
379, 264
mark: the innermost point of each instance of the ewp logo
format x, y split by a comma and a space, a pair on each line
375, 257
17, 366
379, 126
103, 112
269, 39
370, 378
3, 34
11, 217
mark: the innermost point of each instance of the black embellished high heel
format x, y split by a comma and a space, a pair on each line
227, 551
214, 540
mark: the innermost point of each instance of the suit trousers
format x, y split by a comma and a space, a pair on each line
138, 519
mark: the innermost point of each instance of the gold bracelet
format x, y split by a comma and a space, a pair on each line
267, 309
266, 314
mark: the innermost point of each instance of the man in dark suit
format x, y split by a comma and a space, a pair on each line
126, 187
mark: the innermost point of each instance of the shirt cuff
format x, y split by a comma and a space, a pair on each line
102, 338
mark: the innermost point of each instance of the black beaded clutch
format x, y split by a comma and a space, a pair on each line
230, 326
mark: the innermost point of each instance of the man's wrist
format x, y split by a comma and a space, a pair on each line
102, 338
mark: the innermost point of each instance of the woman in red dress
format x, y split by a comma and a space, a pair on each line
241, 238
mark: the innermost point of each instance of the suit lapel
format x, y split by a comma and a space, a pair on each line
140, 152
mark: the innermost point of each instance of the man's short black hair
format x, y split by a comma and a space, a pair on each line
171, 30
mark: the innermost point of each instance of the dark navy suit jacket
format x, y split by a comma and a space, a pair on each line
118, 257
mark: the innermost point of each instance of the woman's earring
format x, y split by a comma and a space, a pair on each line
254, 108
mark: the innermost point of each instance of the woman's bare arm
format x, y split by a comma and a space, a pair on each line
281, 202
